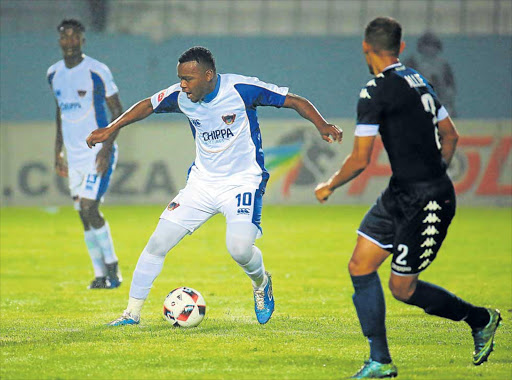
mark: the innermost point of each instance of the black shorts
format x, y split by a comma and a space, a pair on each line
411, 222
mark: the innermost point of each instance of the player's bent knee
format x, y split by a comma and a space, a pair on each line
402, 291
239, 242
239, 249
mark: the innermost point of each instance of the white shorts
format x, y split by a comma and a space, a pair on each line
199, 201
84, 181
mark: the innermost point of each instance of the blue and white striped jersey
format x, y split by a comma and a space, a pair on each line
80, 93
225, 127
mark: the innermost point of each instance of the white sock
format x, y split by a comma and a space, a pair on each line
255, 269
134, 306
104, 239
147, 269
95, 253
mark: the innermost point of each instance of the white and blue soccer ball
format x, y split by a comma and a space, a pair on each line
184, 307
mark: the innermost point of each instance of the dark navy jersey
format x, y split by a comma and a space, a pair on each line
401, 105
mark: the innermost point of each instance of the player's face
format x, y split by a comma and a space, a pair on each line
367, 56
195, 80
71, 42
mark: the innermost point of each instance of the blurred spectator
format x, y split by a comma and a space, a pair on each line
435, 69
99, 10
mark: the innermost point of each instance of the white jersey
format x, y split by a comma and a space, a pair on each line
80, 93
225, 127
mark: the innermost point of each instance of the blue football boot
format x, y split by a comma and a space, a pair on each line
375, 370
264, 301
125, 319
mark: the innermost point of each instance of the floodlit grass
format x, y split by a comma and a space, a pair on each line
53, 327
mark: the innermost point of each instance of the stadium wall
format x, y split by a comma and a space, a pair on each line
155, 156
328, 70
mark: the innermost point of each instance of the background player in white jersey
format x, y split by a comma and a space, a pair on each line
82, 86
228, 175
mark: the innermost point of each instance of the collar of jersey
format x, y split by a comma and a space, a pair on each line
209, 97
392, 66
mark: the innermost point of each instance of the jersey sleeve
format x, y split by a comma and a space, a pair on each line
369, 110
50, 74
258, 93
166, 101
108, 79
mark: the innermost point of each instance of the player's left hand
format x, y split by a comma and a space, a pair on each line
103, 159
323, 192
330, 130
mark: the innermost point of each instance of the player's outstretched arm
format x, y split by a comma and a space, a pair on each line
353, 165
308, 111
137, 112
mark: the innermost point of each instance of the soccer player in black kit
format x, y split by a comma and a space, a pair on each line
410, 218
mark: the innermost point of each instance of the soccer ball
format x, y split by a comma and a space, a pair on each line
184, 307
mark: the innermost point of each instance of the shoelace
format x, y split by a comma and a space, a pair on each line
260, 299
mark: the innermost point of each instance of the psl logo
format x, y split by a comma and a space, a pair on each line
229, 119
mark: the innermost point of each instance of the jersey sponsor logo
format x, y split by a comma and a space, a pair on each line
69, 106
173, 206
398, 268
432, 206
414, 80
217, 134
431, 218
243, 211
81, 93
430, 230
364, 94
229, 119
161, 96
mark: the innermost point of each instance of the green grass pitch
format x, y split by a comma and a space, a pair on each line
52, 327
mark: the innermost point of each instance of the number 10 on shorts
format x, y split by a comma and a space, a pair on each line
244, 199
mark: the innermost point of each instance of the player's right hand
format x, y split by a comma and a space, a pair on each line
97, 136
323, 192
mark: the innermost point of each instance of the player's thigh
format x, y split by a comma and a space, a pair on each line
241, 204
94, 185
367, 257
192, 207
421, 233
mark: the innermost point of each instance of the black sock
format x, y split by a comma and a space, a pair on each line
478, 317
438, 301
371, 310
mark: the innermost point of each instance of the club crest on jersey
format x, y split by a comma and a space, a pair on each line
172, 206
81, 93
229, 119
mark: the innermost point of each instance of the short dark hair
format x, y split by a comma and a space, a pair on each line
384, 34
71, 23
199, 54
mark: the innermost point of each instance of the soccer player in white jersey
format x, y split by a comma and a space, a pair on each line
82, 87
228, 175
